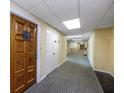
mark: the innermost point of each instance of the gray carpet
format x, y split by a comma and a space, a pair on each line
74, 76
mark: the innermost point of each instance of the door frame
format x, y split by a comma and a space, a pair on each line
38, 40
28, 18
12, 34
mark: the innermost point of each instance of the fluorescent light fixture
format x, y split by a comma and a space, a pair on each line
76, 36
72, 24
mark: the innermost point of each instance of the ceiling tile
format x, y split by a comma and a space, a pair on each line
43, 12
60, 26
62, 5
64, 9
74, 32
27, 3
68, 15
92, 12
108, 19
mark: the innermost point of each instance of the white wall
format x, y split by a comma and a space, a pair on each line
51, 61
91, 45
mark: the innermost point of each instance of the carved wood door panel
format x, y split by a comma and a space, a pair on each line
23, 54
31, 49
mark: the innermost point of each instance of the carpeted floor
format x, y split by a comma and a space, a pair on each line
74, 76
106, 81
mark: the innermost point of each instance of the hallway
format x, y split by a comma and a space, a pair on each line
57, 49
74, 76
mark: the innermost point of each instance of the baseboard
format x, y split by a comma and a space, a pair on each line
104, 72
91, 63
61, 63
98, 69
43, 77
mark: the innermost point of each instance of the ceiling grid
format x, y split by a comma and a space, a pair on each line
79, 13
92, 13
105, 13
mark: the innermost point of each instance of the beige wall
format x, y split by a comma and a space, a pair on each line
101, 50
62, 48
42, 27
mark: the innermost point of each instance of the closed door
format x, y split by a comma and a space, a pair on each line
51, 52
23, 54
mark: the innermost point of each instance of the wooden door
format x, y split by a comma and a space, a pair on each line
23, 54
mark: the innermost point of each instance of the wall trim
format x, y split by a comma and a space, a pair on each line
104, 72
99, 69
61, 63
90, 63
43, 77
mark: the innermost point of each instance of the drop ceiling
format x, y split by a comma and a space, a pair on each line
92, 13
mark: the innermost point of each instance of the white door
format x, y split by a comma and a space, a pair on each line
51, 52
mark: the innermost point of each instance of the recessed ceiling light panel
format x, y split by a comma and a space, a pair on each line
76, 36
72, 24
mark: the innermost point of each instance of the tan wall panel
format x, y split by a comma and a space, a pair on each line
101, 50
